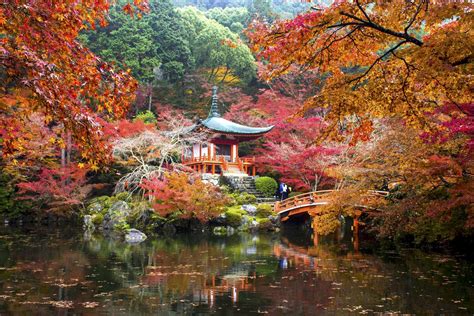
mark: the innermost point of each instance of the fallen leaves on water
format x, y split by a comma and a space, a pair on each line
90, 304
62, 304
58, 304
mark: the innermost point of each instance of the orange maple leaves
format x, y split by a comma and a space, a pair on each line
48, 71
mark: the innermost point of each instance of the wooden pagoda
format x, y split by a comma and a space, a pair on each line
220, 154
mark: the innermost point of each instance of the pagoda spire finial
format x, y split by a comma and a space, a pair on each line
214, 112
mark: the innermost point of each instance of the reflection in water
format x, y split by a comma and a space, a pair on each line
44, 272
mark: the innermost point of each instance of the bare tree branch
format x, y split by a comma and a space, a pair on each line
382, 29
150, 153
390, 51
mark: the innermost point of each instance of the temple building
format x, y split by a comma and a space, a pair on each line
220, 154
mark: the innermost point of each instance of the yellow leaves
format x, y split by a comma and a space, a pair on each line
59, 17
80, 165
61, 143
410, 82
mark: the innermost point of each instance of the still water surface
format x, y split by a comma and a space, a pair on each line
59, 272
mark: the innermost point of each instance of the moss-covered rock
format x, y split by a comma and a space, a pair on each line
264, 210
116, 217
233, 216
97, 219
99, 204
245, 198
265, 224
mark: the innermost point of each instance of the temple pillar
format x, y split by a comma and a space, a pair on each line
254, 171
234, 152
209, 151
213, 168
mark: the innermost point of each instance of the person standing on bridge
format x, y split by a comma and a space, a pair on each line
278, 193
283, 191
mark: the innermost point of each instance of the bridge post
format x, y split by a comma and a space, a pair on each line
314, 225
355, 229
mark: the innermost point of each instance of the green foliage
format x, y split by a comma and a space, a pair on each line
326, 223
166, 44
266, 185
217, 48
148, 117
144, 44
9, 205
123, 196
233, 216
236, 19
263, 9
122, 226
97, 219
262, 221
245, 198
236, 209
264, 210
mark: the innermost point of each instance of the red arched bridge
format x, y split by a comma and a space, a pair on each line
309, 203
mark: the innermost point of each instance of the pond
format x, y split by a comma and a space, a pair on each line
59, 271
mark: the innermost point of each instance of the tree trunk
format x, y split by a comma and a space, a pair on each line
150, 95
68, 147
316, 182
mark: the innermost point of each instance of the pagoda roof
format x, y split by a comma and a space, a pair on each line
222, 125
216, 123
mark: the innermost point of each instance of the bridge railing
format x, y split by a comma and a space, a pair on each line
302, 199
314, 197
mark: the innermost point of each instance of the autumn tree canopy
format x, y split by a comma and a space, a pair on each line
47, 71
376, 58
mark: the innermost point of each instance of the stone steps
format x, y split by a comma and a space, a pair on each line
266, 200
247, 184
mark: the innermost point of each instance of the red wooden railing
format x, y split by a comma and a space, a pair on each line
301, 199
307, 199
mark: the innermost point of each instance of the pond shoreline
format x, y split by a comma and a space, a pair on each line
368, 241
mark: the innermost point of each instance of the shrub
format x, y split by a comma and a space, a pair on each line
245, 198
188, 195
122, 196
9, 204
233, 217
266, 185
236, 209
146, 117
264, 210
